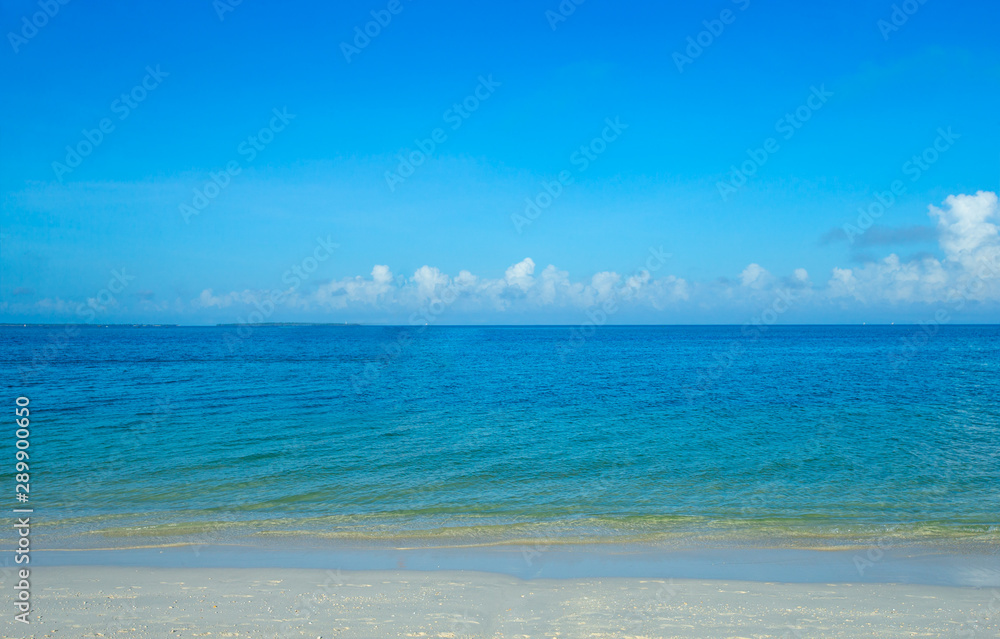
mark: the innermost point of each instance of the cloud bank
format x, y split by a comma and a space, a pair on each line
967, 228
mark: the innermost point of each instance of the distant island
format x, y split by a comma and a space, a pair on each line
23, 325
28, 325
292, 324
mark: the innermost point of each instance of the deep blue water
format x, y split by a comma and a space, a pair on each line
449, 435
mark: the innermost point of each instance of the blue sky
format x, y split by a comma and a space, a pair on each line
864, 98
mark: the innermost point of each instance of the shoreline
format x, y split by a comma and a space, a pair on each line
87, 601
971, 566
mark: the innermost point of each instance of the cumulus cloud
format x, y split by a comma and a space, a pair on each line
754, 276
352, 290
520, 275
208, 298
968, 236
381, 274
967, 228
429, 280
519, 289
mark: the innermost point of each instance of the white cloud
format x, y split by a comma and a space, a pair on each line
968, 236
755, 276
355, 290
970, 270
465, 280
381, 274
429, 281
969, 240
208, 299
605, 284
519, 275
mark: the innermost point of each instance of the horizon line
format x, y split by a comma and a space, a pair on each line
368, 325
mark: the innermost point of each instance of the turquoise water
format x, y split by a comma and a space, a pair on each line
453, 436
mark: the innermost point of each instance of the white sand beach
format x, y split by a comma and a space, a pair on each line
89, 601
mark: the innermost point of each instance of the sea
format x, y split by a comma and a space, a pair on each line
670, 437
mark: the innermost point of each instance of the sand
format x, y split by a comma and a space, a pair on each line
89, 601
